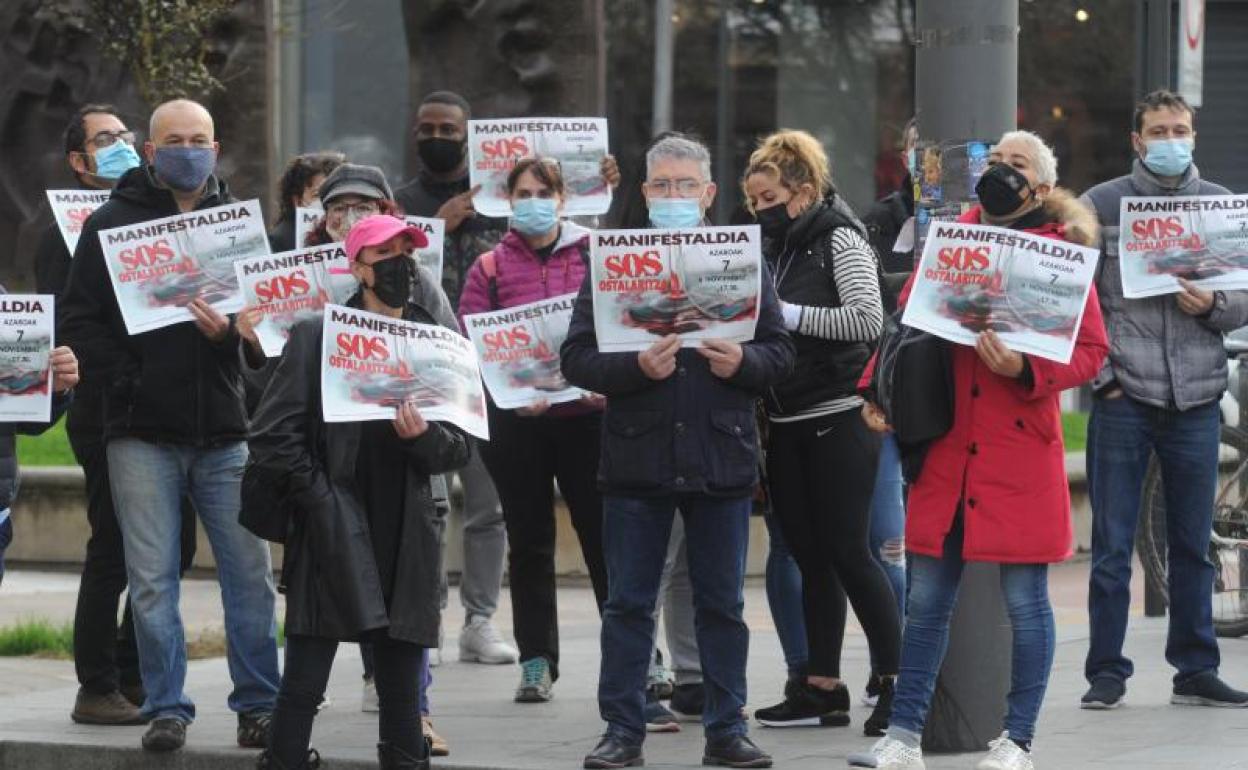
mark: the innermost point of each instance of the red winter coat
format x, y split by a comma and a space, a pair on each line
1005, 448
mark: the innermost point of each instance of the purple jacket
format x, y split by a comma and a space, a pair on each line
523, 278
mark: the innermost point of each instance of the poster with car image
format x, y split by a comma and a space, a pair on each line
577, 144
70, 209
287, 288
27, 337
699, 283
157, 268
1028, 289
306, 220
519, 352
370, 364
1203, 239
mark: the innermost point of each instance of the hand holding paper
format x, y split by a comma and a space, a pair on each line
725, 357
997, 357
64, 369
408, 422
1192, 299
210, 323
659, 360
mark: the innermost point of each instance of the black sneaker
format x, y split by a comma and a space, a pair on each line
807, 706
165, 734
871, 695
688, 701
1206, 689
1105, 693
877, 723
612, 753
253, 729
734, 751
658, 718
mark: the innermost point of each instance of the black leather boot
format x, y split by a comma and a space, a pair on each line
392, 757
266, 761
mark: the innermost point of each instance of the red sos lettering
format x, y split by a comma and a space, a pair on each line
645, 265
516, 337
514, 147
1157, 228
146, 255
77, 216
363, 347
283, 287
963, 258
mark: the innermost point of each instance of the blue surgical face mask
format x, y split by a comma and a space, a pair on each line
184, 168
675, 212
114, 160
1168, 157
534, 216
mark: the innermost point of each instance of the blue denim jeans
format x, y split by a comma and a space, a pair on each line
784, 598
933, 593
6, 537
1122, 434
636, 532
149, 481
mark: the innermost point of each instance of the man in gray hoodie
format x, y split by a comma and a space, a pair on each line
1158, 392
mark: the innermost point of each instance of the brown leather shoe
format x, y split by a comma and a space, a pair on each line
438, 746
110, 709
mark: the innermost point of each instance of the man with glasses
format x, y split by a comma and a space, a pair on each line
679, 435
174, 423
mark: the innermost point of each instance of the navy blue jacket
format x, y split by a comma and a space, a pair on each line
692, 433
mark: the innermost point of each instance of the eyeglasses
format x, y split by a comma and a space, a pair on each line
365, 209
684, 188
108, 138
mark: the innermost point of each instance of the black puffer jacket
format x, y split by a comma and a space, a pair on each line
329, 573
171, 384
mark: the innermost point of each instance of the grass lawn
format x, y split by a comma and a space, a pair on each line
52, 448
42, 639
1075, 430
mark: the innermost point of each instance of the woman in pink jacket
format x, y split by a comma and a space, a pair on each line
541, 257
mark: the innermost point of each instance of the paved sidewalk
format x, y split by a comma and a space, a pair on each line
473, 707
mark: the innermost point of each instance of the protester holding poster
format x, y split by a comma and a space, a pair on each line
679, 433
821, 459
362, 529
994, 488
298, 188
533, 446
174, 421
1157, 396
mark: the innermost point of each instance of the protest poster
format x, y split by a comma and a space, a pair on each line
1029, 289
292, 286
578, 144
158, 267
27, 337
70, 208
699, 283
519, 351
1203, 239
370, 364
430, 256
306, 219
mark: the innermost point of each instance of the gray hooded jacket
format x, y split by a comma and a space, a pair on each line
1158, 354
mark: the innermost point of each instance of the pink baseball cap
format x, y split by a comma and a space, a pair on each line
377, 229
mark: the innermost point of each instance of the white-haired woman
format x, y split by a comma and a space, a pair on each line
993, 489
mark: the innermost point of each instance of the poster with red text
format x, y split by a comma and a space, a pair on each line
577, 144
27, 336
519, 352
158, 267
306, 219
1203, 239
70, 208
370, 364
1029, 289
292, 286
699, 283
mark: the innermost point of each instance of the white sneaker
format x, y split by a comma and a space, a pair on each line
435, 654
890, 754
480, 642
1004, 754
368, 703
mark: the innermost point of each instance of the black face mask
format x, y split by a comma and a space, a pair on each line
441, 156
1000, 189
392, 280
774, 221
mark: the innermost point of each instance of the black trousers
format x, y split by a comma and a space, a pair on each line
309, 660
525, 456
821, 474
105, 656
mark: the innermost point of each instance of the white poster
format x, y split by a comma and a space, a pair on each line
158, 267
700, 283
1203, 239
292, 286
519, 352
578, 144
1191, 46
306, 218
71, 208
430, 256
372, 363
1029, 289
27, 336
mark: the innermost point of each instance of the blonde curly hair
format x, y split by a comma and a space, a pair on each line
793, 157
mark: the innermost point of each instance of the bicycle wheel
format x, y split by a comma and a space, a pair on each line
1228, 547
